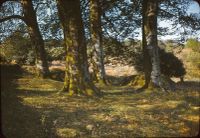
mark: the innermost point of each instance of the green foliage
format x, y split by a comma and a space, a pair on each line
55, 49
17, 48
112, 47
133, 52
194, 44
127, 50
55, 53
30, 57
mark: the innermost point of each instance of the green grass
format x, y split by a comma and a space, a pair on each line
32, 107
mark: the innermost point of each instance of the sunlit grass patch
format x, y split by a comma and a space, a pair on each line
39, 84
99, 116
66, 132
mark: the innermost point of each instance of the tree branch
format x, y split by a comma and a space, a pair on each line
167, 13
12, 17
3, 1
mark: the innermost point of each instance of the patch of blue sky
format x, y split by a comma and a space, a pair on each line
175, 33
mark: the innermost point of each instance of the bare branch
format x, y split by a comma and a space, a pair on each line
12, 17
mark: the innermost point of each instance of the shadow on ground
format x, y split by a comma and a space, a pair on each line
120, 80
19, 120
188, 85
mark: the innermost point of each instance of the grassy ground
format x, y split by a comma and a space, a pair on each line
31, 107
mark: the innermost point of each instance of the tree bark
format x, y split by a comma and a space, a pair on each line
146, 56
96, 35
150, 39
77, 78
35, 36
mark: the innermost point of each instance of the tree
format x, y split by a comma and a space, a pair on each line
96, 36
150, 43
177, 13
30, 18
77, 79
120, 17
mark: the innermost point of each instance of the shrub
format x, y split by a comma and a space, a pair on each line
127, 51
15, 48
57, 74
171, 66
112, 47
2, 56
30, 58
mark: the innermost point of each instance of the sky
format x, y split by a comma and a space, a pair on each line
194, 8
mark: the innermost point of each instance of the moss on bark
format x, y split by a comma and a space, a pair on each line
77, 78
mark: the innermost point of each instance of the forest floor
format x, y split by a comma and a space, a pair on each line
32, 108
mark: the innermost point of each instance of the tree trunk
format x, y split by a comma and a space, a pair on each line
30, 19
150, 36
96, 35
146, 56
77, 78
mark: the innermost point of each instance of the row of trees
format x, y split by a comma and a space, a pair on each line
72, 18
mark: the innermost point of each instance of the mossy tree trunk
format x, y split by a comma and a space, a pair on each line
150, 9
77, 78
96, 35
30, 19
